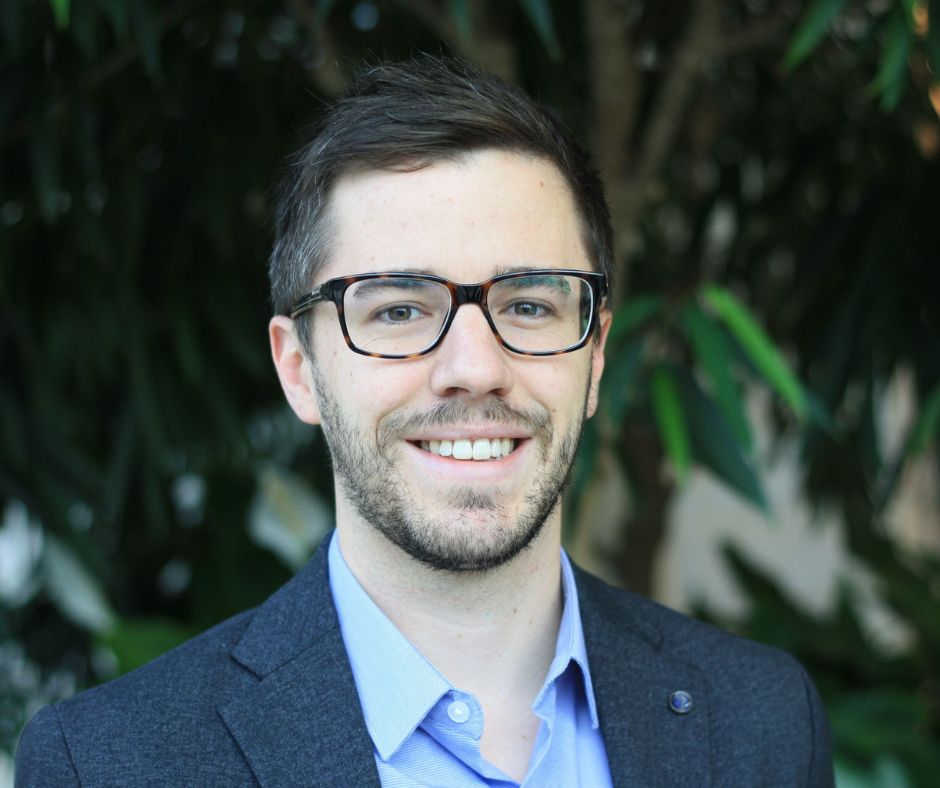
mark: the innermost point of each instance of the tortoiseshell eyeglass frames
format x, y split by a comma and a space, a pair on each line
398, 315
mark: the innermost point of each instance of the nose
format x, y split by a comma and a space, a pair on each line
470, 359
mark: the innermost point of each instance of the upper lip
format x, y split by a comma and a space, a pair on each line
469, 433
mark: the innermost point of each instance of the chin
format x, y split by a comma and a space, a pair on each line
463, 540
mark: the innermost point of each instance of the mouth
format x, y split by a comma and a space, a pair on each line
473, 450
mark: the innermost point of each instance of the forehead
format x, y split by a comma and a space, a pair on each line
467, 219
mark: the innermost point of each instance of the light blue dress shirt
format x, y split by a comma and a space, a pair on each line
427, 732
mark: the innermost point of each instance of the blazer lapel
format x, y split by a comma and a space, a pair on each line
301, 723
648, 743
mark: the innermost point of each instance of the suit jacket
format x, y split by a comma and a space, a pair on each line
268, 698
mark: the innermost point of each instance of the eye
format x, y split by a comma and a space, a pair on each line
398, 313
529, 309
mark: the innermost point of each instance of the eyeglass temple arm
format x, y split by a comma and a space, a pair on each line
315, 296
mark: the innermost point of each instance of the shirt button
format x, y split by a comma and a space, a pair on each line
458, 711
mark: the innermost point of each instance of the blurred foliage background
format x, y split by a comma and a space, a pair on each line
773, 172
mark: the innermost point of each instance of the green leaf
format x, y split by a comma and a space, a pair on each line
812, 28
146, 32
933, 37
619, 373
885, 772
74, 590
878, 720
714, 443
819, 414
928, 423
116, 11
714, 353
669, 419
540, 14
135, 642
60, 13
460, 11
630, 315
890, 80
760, 349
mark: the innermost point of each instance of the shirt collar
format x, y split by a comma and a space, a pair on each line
570, 646
397, 685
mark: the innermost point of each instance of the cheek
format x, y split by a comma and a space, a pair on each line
559, 384
375, 388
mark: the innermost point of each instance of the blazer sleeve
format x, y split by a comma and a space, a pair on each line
820, 769
42, 757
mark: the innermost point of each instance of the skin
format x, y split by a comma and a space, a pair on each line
489, 632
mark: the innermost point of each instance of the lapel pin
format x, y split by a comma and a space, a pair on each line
680, 702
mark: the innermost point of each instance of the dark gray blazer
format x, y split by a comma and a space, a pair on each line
268, 698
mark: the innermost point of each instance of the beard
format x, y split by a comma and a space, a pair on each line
479, 532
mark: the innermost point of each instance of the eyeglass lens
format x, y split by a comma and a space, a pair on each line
538, 313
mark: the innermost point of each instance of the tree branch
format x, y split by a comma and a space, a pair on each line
666, 118
616, 87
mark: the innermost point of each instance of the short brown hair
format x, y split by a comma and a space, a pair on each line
412, 114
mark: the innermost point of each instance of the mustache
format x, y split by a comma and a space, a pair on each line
443, 414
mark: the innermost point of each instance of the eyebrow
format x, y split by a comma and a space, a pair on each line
408, 270
555, 281
500, 270
365, 286
517, 269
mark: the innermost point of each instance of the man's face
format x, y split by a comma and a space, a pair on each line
488, 213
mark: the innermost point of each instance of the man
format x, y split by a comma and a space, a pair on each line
441, 277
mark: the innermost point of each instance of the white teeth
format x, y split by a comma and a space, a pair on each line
481, 449
465, 449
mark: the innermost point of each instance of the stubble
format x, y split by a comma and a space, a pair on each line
479, 533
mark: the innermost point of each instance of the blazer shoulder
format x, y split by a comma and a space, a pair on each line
202, 662
674, 634
42, 757
139, 724
162, 723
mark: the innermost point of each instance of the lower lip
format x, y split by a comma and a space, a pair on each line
447, 469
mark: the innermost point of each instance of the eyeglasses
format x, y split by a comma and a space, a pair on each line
541, 312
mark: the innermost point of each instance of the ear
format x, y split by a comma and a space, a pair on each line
604, 319
293, 369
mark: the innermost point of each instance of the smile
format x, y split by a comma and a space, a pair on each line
465, 449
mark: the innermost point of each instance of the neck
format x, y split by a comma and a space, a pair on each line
490, 633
